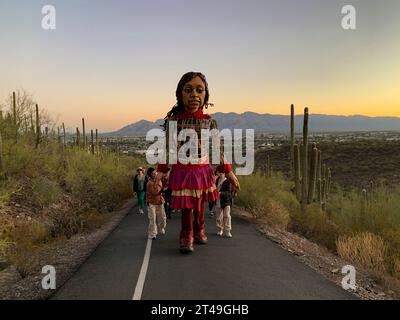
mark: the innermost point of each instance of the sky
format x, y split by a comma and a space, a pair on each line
117, 62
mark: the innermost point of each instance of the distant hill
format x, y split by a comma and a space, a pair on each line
271, 123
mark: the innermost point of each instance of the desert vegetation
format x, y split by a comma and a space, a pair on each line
52, 186
358, 221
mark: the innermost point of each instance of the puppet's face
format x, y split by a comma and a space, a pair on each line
193, 95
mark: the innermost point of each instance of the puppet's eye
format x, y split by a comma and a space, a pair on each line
188, 90
199, 90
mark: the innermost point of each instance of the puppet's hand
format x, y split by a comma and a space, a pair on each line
234, 180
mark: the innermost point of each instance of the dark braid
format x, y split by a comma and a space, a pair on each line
179, 107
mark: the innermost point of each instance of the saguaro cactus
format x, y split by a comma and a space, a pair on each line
84, 134
313, 174
91, 142
97, 142
292, 138
32, 125
63, 126
38, 131
312, 179
78, 137
15, 116
304, 155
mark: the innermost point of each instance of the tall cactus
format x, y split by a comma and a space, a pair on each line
97, 142
292, 139
304, 169
78, 138
84, 134
15, 115
63, 126
297, 181
91, 142
312, 179
32, 125
313, 174
38, 131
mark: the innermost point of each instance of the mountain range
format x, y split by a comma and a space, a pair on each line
271, 123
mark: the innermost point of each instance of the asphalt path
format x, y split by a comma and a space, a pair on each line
126, 266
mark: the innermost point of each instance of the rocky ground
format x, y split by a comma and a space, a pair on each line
65, 255
369, 286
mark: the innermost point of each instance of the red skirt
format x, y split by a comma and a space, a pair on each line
192, 185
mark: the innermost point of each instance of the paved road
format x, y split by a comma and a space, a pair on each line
248, 266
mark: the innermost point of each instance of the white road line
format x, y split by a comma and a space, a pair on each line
142, 275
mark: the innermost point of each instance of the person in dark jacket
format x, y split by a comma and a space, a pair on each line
223, 205
139, 188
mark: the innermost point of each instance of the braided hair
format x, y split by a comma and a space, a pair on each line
179, 107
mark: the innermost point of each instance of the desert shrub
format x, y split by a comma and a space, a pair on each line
315, 225
44, 191
27, 233
4, 245
64, 223
365, 249
7, 188
268, 199
100, 183
272, 213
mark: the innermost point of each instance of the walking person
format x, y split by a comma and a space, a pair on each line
166, 193
139, 188
155, 208
192, 183
224, 204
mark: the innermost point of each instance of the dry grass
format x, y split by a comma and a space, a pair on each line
268, 199
365, 249
271, 213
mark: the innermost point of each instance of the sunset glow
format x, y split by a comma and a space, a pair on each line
116, 63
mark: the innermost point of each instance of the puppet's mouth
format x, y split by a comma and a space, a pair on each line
194, 102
